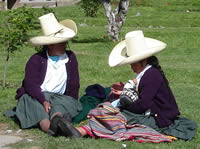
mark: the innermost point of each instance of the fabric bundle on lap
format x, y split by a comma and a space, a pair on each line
94, 95
106, 121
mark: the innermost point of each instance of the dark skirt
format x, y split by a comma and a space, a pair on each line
182, 128
30, 112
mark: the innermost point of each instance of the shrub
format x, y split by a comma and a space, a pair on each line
90, 7
15, 28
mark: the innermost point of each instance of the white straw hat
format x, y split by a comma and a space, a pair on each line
134, 48
54, 31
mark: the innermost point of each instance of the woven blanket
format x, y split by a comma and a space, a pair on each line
105, 121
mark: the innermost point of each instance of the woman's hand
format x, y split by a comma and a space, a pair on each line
135, 81
47, 106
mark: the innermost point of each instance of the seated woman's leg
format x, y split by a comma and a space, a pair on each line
68, 129
82, 131
54, 119
44, 125
30, 112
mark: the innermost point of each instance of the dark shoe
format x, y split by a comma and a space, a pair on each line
67, 129
67, 117
53, 129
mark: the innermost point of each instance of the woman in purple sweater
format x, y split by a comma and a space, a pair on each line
51, 83
148, 101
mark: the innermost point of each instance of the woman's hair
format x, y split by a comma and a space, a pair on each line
153, 60
44, 48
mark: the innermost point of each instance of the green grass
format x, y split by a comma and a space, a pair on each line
169, 22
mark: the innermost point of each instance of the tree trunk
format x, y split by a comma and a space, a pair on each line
115, 18
5, 71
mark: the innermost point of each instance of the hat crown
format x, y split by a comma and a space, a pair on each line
135, 42
49, 24
53, 31
134, 48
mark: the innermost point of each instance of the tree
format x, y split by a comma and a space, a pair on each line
90, 7
14, 31
115, 18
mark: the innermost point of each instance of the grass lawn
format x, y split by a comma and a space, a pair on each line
173, 22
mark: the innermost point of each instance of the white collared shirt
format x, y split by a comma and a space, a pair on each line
56, 75
139, 75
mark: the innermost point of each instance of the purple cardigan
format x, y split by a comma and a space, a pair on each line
35, 72
156, 95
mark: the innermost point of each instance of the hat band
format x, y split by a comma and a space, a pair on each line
54, 34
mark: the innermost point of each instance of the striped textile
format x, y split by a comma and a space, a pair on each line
106, 121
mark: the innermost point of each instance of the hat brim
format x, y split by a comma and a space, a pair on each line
47, 40
118, 55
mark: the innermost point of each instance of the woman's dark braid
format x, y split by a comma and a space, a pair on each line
153, 60
67, 46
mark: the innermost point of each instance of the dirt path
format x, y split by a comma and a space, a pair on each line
11, 136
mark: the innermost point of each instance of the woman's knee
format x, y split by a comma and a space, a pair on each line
44, 125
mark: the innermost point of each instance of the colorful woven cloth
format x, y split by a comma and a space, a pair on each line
106, 121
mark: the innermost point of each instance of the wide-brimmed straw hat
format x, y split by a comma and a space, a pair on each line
54, 31
134, 48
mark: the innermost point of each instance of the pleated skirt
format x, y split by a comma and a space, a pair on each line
30, 112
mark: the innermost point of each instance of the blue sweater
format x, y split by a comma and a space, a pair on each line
156, 95
35, 72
